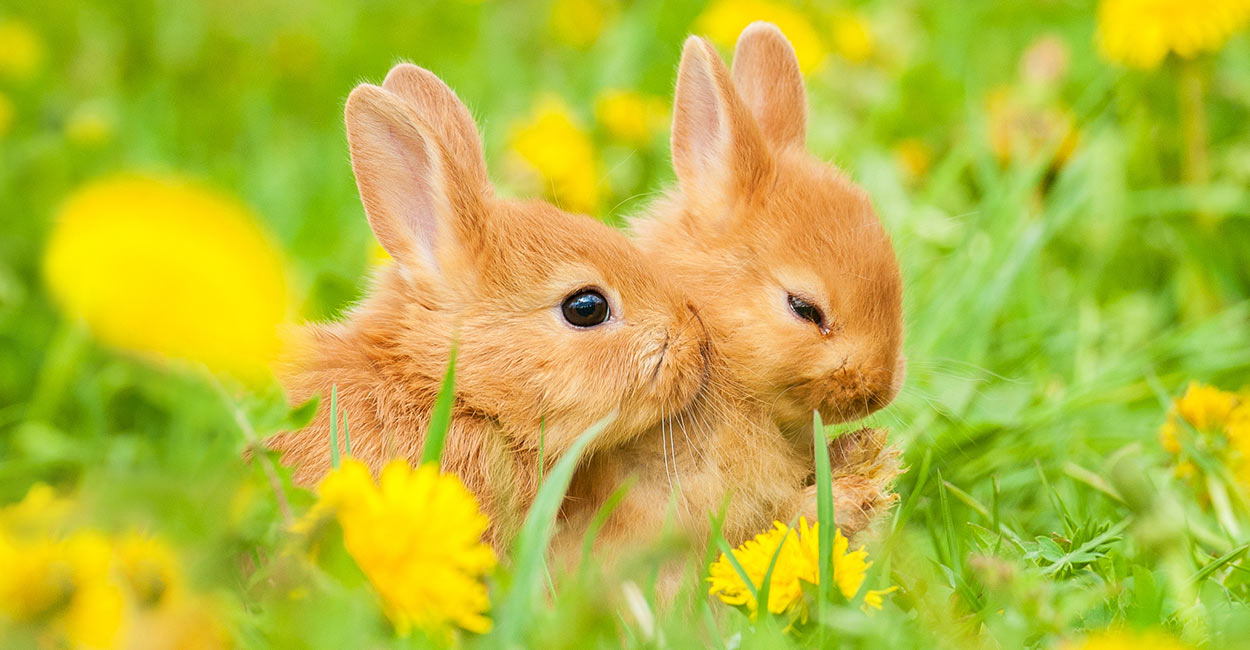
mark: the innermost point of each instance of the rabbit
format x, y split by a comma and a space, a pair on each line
799, 289
559, 321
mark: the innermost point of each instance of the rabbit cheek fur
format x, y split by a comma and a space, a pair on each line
491, 274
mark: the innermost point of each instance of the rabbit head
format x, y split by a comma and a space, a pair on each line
777, 247
559, 320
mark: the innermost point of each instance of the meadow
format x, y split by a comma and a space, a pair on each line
1067, 184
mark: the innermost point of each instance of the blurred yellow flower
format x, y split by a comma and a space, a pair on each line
7, 114
417, 536
852, 36
83, 588
914, 157
1206, 407
723, 20
62, 585
580, 22
1213, 421
631, 117
1127, 640
167, 267
21, 49
1141, 33
149, 568
797, 563
551, 145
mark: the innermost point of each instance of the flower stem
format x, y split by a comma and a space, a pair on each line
1195, 164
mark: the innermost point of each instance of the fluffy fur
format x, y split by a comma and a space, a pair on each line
755, 219
490, 273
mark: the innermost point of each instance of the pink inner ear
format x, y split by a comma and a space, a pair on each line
698, 133
417, 207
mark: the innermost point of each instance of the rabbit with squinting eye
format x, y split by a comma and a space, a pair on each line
797, 284
558, 320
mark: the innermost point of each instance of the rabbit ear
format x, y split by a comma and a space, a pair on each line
446, 116
766, 73
419, 207
716, 144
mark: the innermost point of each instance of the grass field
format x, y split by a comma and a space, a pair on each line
1074, 235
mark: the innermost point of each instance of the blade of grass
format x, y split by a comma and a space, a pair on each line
824, 514
334, 426
440, 417
601, 517
347, 437
1221, 561
529, 560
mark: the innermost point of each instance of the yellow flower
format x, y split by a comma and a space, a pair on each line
580, 22
7, 114
169, 268
1205, 407
631, 117
1141, 33
1216, 422
723, 20
914, 157
552, 145
1127, 640
852, 37
797, 564
64, 585
149, 569
417, 536
21, 50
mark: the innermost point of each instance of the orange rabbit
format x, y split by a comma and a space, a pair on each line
558, 319
797, 284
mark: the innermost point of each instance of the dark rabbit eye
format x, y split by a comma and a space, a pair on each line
586, 308
807, 311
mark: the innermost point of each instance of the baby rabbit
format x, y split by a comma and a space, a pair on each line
558, 320
797, 284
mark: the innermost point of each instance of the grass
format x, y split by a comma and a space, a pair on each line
1054, 308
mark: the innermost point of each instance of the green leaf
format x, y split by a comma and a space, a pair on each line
300, 416
529, 559
440, 417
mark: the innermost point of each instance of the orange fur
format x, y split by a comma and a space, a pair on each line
489, 273
755, 218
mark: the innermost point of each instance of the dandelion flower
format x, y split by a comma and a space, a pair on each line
417, 536
797, 565
168, 268
1141, 33
1215, 422
723, 20
21, 50
580, 22
631, 117
552, 145
852, 37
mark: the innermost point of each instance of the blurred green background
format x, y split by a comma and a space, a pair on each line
1075, 238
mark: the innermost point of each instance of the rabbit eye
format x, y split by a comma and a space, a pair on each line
807, 311
586, 308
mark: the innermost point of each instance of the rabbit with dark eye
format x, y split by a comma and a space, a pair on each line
558, 319
798, 287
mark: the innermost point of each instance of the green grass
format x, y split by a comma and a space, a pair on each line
1052, 310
